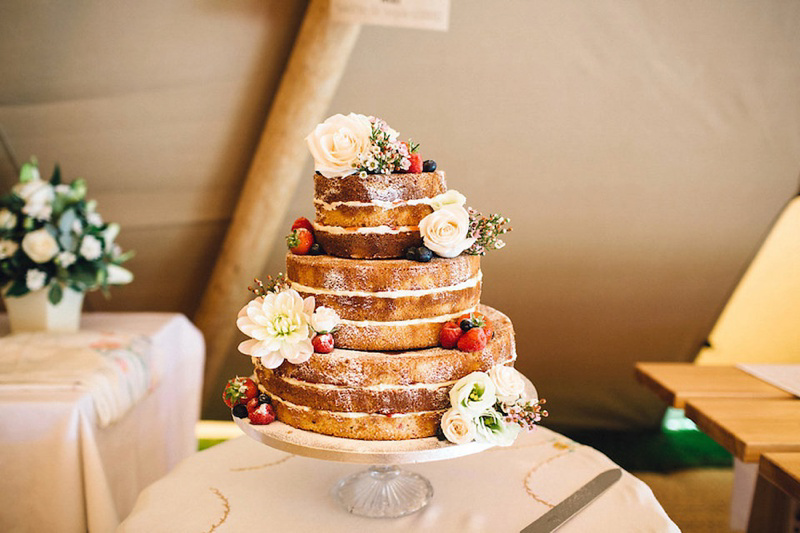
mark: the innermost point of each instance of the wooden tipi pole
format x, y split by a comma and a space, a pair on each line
308, 84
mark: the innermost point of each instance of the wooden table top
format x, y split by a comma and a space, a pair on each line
748, 428
675, 383
783, 471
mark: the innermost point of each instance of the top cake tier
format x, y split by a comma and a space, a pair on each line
373, 216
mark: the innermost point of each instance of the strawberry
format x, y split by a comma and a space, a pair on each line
239, 390
323, 343
303, 222
450, 334
473, 340
252, 405
299, 241
263, 414
416, 163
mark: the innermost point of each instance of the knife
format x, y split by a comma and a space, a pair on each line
572, 505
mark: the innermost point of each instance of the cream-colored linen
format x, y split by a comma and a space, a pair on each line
242, 485
63, 470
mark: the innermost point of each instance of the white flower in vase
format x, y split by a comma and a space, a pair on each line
94, 219
91, 248
34, 279
278, 325
40, 246
118, 275
66, 259
473, 394
7, 248
7, 219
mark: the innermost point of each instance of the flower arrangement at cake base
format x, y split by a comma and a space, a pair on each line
54, 247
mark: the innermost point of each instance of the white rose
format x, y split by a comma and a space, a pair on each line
91, 248
65, 259
338, 144
457, 428
490, 427
324, 320
451, 197
7, 219
473, 394
40, 246
118, 275
445, 231
7, 248
34, 279
94, 219
509, 384
38, 196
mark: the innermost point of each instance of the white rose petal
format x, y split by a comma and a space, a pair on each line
94, 219
38, 196
65, 259
473, 394
458, 428
451, 197
509, 384
118, 275
277, 325
324, 320
490, 427
91, 248
445, 231
40, 246
7, 219
110, 234
7, 248
339, 143
34, 279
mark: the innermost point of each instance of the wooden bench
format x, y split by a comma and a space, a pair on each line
776, 502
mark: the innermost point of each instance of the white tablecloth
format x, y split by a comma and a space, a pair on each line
76, 457
242, 485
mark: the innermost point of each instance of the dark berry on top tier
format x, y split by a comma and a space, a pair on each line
466, 324
424, 254
429, 165
240, 411
411, 253
315, 249
264, 398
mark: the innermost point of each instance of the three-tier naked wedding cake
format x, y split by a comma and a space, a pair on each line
377, 332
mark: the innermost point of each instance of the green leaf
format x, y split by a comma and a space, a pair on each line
18, 288
28, 172
55, 293
55, 179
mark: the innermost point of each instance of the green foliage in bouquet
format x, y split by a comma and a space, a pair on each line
51, 236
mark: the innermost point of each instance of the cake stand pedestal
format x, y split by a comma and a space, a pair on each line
383, 490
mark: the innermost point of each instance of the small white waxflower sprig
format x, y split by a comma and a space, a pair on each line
487, 231
490, 407
386, 154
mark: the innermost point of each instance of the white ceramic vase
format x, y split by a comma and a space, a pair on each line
34, 312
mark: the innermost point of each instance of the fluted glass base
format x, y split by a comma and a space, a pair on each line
383, 492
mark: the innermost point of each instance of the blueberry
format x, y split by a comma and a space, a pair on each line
466, 324
411, 254
240, 411
316, 249
424, 254
440, 433
264, 398
429, 165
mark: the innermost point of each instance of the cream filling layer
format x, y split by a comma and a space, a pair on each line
380, 230
409, 322
468, 284
378, 388
346, 414
374, 203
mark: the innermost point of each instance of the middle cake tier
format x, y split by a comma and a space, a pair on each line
390, 304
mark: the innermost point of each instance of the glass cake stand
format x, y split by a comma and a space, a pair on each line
383, 490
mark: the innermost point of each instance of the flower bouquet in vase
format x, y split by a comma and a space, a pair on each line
54, 247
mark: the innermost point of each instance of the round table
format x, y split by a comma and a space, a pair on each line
242, 484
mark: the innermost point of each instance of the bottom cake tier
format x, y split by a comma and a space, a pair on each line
379, 395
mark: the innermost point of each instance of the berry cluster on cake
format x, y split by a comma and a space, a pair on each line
376, 331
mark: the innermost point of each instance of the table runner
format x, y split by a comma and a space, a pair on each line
242, 485
785, 377
115, 368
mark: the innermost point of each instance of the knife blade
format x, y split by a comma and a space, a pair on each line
572, 505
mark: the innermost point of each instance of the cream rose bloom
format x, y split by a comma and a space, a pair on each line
278, 325
7, 248
451, 197
7, 219
40, 246
38, 196
324, 319
473, 394
445, 231
509, 384
458, 428
338, 144
490, 427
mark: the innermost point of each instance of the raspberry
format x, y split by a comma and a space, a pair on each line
473, 340
416, 163
264, 414
448, 337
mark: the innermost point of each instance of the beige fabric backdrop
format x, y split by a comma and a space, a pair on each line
641, 149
